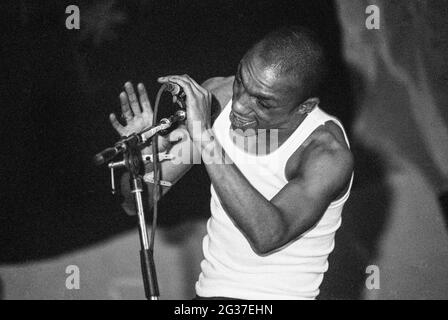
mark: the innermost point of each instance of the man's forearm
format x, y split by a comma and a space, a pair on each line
128, 203
258, 219
170, 171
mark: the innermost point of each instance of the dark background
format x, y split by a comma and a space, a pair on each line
60, 85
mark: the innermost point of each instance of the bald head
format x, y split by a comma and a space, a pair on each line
294, 52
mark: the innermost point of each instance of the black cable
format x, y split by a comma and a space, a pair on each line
155, 161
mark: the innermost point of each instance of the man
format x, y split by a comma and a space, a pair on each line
275, 212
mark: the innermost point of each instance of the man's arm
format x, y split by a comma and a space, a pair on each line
323, 172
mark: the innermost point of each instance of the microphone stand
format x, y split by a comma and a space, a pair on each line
133, 161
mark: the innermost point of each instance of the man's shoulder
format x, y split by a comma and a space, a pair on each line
328, 142
221, 89
324, 158
325, 146
331, 136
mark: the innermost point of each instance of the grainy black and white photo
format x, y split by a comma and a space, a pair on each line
251, 150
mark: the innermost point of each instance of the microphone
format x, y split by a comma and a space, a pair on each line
173, 88
177, 93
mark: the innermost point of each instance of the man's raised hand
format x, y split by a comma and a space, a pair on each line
137, 115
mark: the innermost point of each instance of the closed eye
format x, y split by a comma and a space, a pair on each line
262, 104
238, 79
238, 74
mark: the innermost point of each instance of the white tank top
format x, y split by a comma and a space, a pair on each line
230, 267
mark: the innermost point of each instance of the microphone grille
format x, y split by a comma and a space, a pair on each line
173, 88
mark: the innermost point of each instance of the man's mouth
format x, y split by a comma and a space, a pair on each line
240, 122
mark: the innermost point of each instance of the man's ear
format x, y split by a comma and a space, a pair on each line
308, 106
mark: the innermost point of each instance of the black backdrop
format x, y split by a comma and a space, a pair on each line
60, 85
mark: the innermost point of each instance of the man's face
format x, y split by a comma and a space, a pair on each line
262, 97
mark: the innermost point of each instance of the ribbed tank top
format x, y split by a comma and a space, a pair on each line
230, 267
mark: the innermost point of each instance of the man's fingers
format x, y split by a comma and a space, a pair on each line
114, 121
185, 79
132, 98
185, 84
195, 84
144, 100
125, 107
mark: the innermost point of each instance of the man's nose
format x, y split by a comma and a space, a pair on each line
241, 105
